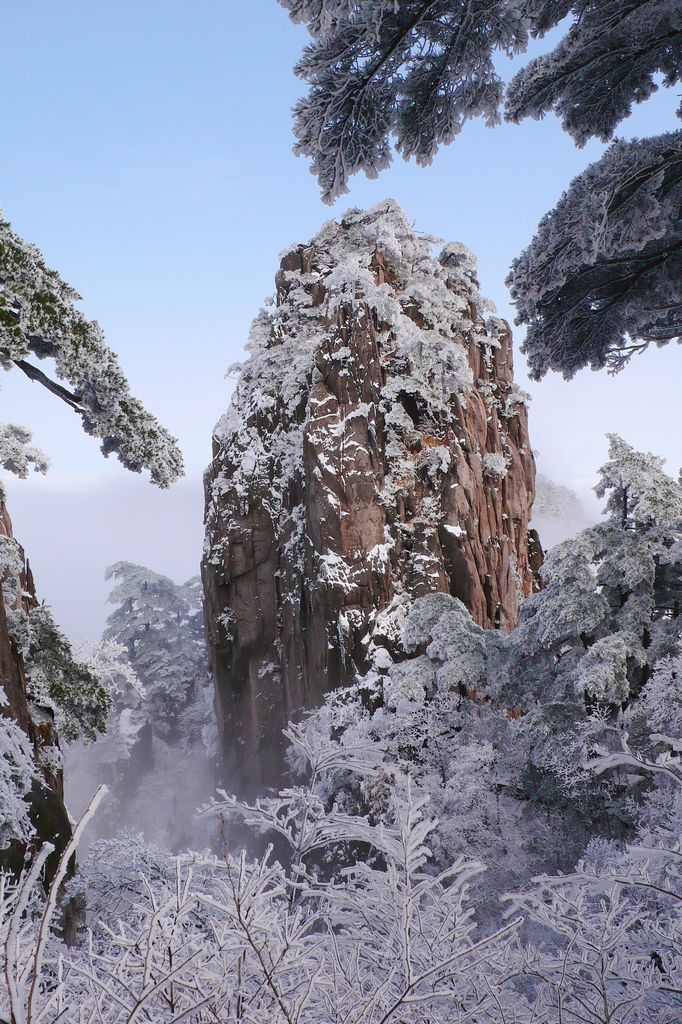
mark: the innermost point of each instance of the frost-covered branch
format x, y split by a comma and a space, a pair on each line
600, 280
39, 318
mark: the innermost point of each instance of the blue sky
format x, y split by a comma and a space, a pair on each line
147, 151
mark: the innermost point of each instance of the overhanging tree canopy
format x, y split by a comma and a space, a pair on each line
38, 320
602, 278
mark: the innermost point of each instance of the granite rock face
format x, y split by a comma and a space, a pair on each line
376, 448
48, 812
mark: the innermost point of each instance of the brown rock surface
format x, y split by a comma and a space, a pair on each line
47, 810
376, 449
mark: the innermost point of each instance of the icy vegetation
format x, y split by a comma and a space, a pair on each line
158, 752
594, 297
39, 319
56, 682
600, 280
414, 72
484, 829
62, 697
233, 939
17, 775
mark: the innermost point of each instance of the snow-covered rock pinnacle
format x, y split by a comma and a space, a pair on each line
376, 448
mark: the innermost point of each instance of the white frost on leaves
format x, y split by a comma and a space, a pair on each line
514, 399
17, 776
495, 464
160, 726
109, 662
11, 559
39, 318
17, 454
51, 759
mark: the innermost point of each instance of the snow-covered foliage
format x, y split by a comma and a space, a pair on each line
385, 939
495, 464
39, 318
56, 680
51, 694
417, 70
58, 684
109, 661
601, 278
413, 70
160, 624
17, 454
159, 743
499, 729
618, 915
232, 939
17, 776
585, 80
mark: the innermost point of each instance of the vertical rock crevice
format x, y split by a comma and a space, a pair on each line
376, 448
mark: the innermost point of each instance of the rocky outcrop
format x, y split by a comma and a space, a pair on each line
48, 813
376, 448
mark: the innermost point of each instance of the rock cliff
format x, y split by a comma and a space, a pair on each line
376, 448
48, 813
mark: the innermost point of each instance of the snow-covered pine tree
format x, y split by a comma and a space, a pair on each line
47, 691
159, 746
160, 623
601, 279
499, 729
413, 71
39, 319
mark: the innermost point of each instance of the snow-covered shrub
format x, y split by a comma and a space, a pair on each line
56, 681
237, 940
17, 454
611, 929
373, 939
499, 729
495, 464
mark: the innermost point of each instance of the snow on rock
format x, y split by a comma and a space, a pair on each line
31, 769
375, 449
